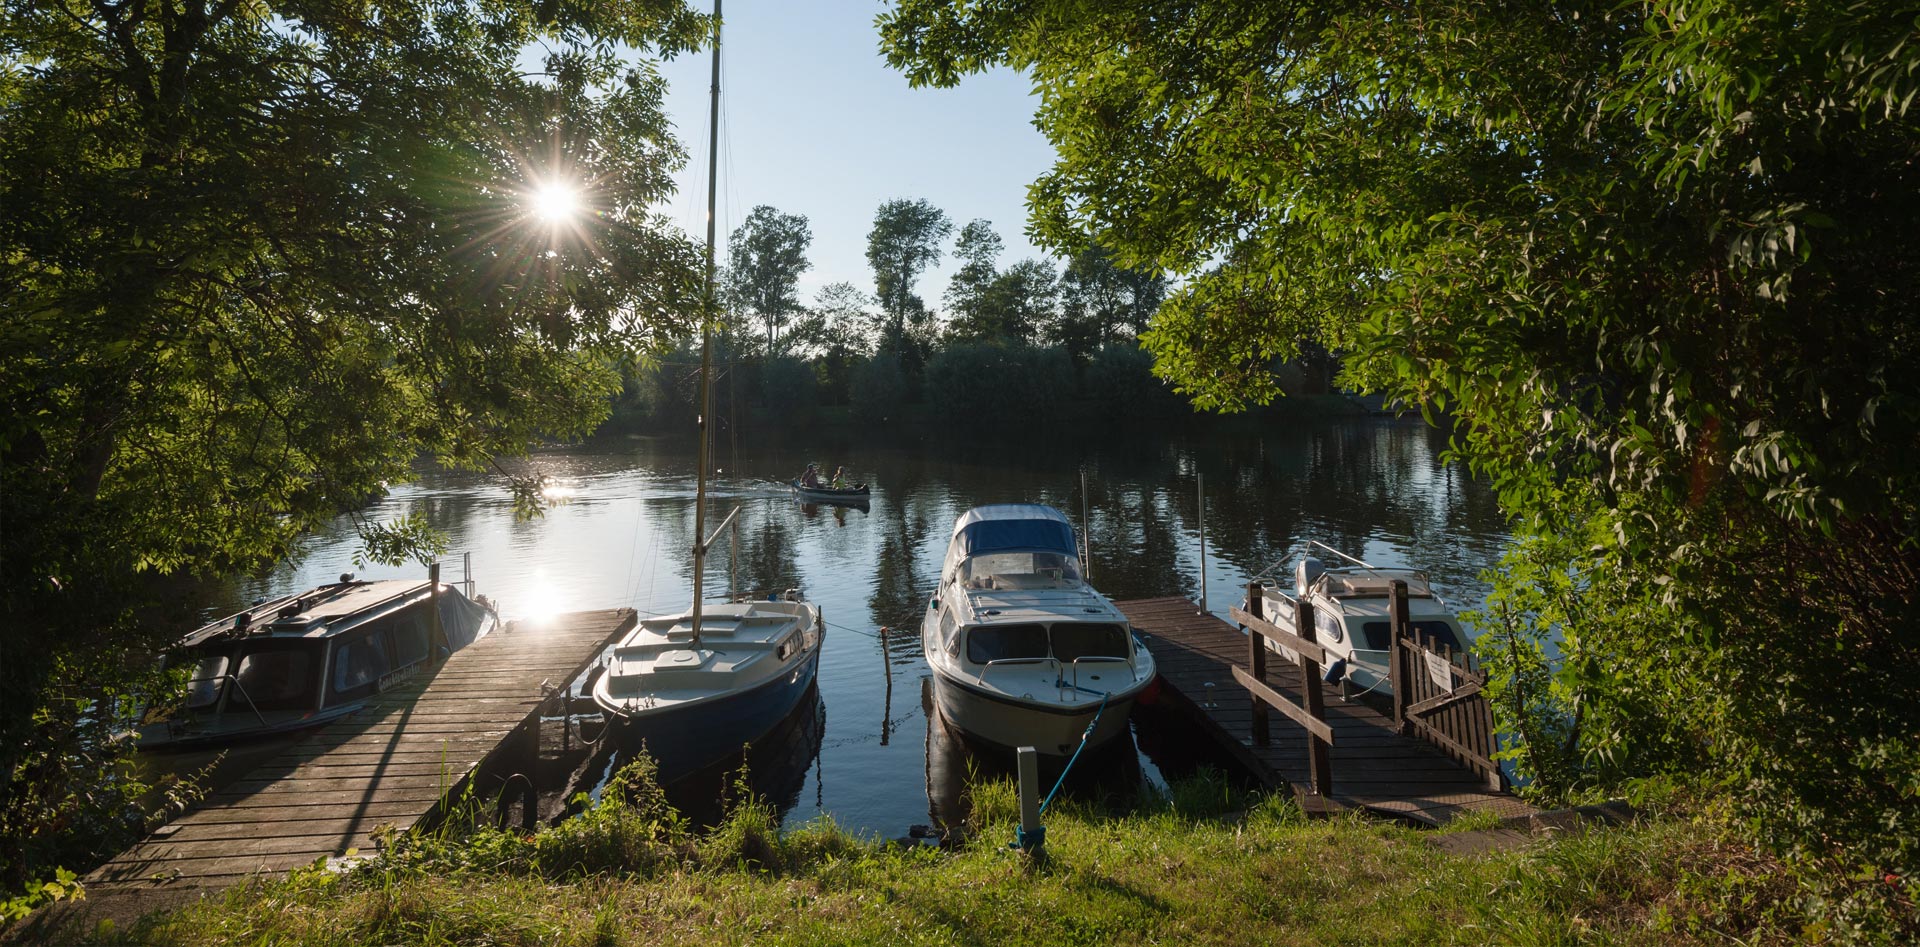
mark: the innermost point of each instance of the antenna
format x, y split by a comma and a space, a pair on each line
1086, 533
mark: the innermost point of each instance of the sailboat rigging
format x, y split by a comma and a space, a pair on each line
692, 688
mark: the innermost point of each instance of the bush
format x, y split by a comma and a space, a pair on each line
980, 386
878, 390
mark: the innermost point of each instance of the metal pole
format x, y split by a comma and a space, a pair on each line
1086, 534
1032, 835
1202, 478
706, 338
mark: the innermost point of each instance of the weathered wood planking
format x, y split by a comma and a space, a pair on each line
1373, 766
390, 764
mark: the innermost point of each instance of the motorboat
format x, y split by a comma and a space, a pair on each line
1352, 614
691, 699
693, 687
305, 659
1023, 651
856, 495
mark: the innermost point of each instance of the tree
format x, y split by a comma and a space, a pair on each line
967, 292
768, 253
1101, 302
1655, 258
837, 331
905, 240
255, 259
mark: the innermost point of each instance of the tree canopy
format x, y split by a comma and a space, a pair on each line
768, 253
905, 240
1653, 258
255, 259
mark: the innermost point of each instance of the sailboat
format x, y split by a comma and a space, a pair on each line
694, 687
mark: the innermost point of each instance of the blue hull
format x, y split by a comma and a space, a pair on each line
686, 740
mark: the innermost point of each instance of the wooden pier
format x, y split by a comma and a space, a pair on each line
473, 723
1371, 764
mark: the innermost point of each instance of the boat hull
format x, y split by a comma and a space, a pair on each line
687, 738
1009, 723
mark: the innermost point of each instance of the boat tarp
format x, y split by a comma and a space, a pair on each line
990, 536
461, 618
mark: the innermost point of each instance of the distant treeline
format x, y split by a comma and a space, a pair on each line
1033, 343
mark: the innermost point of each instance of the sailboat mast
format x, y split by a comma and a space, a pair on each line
706, 340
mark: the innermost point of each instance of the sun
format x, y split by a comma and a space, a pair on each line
555, 202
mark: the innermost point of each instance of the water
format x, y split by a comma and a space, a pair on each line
622, 526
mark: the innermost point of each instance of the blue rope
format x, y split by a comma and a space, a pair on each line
1084, 737
1033, 840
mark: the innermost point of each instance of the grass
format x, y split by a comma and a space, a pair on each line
1205, 865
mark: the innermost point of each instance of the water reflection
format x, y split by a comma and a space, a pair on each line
1373, 488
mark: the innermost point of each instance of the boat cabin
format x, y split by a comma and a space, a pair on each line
307, 658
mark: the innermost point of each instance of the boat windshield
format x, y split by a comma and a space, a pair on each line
1021, 570
1380, 634
1063, 642
203, 688
276, 678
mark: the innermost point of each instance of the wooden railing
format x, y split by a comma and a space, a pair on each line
1310, 715
1454, 716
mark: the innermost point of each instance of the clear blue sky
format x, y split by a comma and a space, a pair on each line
815, 123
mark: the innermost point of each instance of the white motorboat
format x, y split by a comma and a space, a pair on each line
694, 687
1024, 652
1352, 614
302, 660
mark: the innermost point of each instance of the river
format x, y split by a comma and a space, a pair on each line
621, 522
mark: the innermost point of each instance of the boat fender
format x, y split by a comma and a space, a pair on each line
1335, 671
1305, 572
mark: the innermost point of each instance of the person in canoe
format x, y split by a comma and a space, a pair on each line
840, 478
811, 479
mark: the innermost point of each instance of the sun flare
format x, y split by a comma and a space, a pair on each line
555, 202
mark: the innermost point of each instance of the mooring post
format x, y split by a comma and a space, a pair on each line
442, 649
1398, 668
1033, 836
1202, 482
1319, 757
1257, 665
886, 707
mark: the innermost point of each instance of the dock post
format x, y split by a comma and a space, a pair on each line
442, 650
1202, 480
1257, 665
1398, 669
1033, 836
1319, 755
886, 707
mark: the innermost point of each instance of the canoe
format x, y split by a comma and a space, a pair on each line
855, 494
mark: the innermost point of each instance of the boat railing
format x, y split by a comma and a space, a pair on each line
1102, 659
242, 688
981, 678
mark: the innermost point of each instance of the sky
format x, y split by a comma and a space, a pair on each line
813, 122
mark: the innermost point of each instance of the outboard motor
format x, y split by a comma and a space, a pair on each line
1306, 572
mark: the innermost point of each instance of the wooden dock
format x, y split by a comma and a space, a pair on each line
1373, 766
474, 722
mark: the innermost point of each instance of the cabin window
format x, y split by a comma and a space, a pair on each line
1002, 642
948, 629
786, 648
1089, 640
410, 635
359, 664
203, 688
278, 679
1380, 634
1328, 627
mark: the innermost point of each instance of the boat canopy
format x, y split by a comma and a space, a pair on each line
1010, 527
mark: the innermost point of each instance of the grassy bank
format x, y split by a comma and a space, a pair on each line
1205, 866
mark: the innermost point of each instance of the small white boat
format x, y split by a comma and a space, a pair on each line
1352, 614
1024, 652
692, 700
302, 660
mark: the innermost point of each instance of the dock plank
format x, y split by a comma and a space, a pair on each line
389, 764
1374, 767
